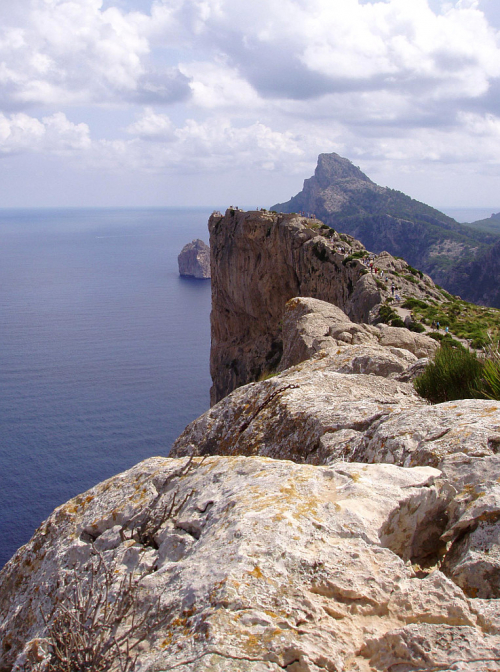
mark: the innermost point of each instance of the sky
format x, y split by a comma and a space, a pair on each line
227, 102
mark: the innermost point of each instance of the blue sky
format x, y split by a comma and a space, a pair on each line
201, 102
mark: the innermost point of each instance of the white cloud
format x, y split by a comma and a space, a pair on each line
263, 85
214, 144
76, 52
215, 85
54, 134
152, 126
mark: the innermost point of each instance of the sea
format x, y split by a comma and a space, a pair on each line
104, 350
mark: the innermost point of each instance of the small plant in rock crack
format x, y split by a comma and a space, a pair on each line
147, 524
99, 624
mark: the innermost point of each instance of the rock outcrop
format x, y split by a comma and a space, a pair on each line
344, 384
311, 326
459, 257
194, 260
268, 565
261, 260
370, 542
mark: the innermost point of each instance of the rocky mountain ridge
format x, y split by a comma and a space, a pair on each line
260, 260
385, 219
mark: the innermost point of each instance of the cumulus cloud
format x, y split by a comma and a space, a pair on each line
215, 85
21, 133
76, 52
347, 45
152, 126
215, 144
267, 84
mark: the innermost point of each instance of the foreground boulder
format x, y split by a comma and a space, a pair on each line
264, 565
309, 413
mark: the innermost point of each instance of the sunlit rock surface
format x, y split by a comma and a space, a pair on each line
270, 565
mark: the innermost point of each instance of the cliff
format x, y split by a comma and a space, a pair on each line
324, 519
384, 219
260, 260
194, 260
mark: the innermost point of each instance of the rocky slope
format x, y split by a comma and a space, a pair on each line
369, 543
261, 260
269, 565
384, 219
194, 260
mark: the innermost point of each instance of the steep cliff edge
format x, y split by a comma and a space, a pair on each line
260, 260
385, 219
369, 543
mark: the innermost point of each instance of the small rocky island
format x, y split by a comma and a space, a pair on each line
194, 260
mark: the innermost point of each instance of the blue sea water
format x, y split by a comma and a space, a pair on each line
104, 350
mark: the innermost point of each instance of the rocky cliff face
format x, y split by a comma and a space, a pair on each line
260, 260
384, 219
370, 542
194, 260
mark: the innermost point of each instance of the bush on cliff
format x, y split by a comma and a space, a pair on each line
491, 372
455, 373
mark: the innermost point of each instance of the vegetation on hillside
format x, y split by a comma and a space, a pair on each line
490, 224
455, 373
478, 324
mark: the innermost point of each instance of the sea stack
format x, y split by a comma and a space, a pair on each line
194, 260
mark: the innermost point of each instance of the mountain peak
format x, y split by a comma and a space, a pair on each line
333, 167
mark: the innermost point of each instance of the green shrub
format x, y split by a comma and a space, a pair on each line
417, 327
455, 373
491, 372
387, 314
347, 259
436, 335
412, 303
320, 252
449, 340
397, 322
414, 271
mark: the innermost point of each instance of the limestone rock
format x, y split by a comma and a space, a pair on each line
269, 565
194, 260
260, 260
311, 326
428, 434
309, 413
462, 439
